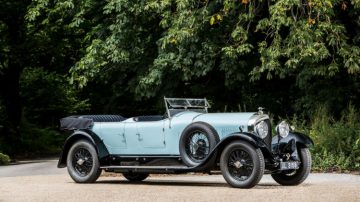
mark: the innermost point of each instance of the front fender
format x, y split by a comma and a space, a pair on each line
78, 135
246, 137
300, 139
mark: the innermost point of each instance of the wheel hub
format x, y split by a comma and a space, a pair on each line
238, 164
80, 161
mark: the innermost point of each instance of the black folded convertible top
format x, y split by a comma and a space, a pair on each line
86, 121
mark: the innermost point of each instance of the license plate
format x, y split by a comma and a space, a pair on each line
289, 165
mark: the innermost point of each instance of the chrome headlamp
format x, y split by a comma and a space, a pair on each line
259, 124
283, 129
262, 129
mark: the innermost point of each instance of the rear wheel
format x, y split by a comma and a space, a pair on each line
295, 177
136, 177
242, 165
83, 163
196, 142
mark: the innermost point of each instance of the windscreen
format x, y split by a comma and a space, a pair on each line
187, 102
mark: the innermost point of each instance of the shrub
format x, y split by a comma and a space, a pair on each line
4, 159
34, 142
337, 142
40, 141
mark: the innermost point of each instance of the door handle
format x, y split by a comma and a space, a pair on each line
124, 139
139, 137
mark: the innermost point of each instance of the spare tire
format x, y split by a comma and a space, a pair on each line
196, 142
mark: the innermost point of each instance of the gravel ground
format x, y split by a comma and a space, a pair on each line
318, 187
55, 185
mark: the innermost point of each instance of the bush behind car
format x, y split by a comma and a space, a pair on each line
4, 159
337, 141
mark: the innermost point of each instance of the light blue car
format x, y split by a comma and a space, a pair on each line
186, 139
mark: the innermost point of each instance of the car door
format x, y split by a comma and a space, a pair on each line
113, 135
150, 135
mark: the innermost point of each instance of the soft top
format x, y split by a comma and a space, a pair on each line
86, 121
104, 118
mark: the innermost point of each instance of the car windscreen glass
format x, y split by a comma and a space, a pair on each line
184, 102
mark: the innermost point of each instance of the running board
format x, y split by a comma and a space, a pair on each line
149, 169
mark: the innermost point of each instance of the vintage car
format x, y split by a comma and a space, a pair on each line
186, 139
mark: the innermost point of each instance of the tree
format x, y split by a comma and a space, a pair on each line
149, 49
32, 45
12, 47
183, 46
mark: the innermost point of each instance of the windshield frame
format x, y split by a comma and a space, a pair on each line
186, 104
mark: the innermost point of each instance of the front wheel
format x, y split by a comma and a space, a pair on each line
296, 177
83, 163
136, 177
242, 165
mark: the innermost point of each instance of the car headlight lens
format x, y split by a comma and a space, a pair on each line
262, 129
283, 129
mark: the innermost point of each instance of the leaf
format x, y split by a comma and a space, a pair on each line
212, 20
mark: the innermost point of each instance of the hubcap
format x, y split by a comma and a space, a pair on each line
238, 164
80, 161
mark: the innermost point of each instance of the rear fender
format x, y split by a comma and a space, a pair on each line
83, 135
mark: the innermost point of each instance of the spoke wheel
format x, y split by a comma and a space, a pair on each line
196, 143
197, 146
83, 163
242, 165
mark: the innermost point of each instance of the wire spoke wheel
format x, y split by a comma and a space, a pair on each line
197, 143
82, 161
240, 165
197, 146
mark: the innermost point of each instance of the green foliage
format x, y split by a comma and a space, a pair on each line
195, 38
289, 56
330, 162
337, 143
306, 37
48, 97
197, 48
37, 141
4, 159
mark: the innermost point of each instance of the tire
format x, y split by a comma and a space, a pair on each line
242, 165
298, 176
196, 142
136, 177
83, 163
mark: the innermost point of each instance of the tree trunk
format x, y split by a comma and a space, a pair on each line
10, 79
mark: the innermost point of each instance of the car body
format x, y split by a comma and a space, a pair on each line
186, 139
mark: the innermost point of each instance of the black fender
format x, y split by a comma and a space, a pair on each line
101, 149
291, 144
252, 139
300, 139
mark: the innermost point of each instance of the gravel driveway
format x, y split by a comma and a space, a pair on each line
41, 181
